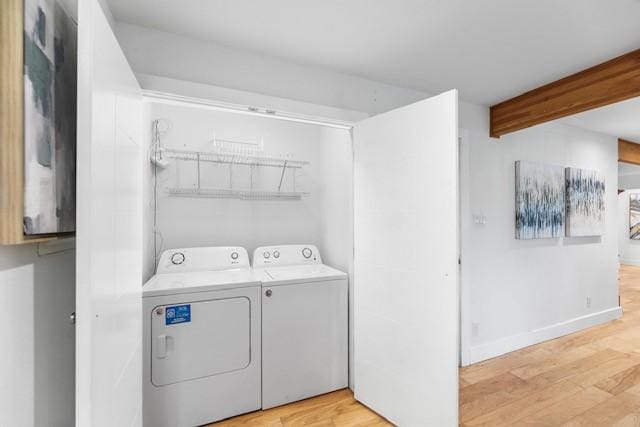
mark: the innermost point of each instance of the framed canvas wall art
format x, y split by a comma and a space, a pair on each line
540, 203
50, 62
585, 202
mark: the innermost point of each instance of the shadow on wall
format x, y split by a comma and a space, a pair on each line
535, 243
54, 338
38, 294
560, 241
577, 241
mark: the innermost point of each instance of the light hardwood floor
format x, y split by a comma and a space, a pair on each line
590, 378
333, 409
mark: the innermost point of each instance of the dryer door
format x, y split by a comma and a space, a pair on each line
198, 339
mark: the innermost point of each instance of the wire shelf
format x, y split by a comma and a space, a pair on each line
236, 194
222, 157
241, 182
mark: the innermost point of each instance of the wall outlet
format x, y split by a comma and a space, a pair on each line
588, 302
480, 219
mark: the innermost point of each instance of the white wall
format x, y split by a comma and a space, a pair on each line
628, 250
187, 221
335, 160
336, 210
37, 371
629, 181
523, 292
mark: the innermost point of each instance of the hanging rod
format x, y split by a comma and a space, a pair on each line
236, 194
245, 109
237, 142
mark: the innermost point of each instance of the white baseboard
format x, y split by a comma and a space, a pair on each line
628, 261
516, 342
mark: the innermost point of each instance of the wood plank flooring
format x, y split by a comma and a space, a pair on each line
329, 410
590, 378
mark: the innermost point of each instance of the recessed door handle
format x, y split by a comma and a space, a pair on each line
161, 349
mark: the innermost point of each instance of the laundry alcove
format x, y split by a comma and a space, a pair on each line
379, 199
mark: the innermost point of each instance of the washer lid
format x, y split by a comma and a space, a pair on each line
200, 281
299, 274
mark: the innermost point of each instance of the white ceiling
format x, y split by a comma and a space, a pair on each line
489, 49
621, 120
625, 169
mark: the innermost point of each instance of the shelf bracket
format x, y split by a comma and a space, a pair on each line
284, 168
198, 160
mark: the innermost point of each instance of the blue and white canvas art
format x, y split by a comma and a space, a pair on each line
634, 216
50, 38
585, 202
540, 209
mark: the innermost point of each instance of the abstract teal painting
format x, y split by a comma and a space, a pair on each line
585, 202
540, 210
634, 216
50, 77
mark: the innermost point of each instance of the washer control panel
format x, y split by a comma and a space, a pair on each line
286, 255
177, 258
203, 259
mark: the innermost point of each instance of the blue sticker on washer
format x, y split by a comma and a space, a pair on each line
177, 314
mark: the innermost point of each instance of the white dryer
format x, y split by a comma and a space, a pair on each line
201, 334
304, 324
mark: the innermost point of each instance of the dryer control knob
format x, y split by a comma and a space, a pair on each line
276, 254
306, 252
266, 255
177, 258
268, 292
234, 255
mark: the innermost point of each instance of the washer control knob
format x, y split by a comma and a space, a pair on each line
306, 252
266, 255
177, 258
268, 292
234, 255
276, 254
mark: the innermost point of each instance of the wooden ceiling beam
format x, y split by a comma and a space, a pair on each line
610, 82
628, 152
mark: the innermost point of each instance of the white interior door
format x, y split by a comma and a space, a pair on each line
109, 224
405, 263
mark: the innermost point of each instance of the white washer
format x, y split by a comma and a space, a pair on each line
201, 348
304, 324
